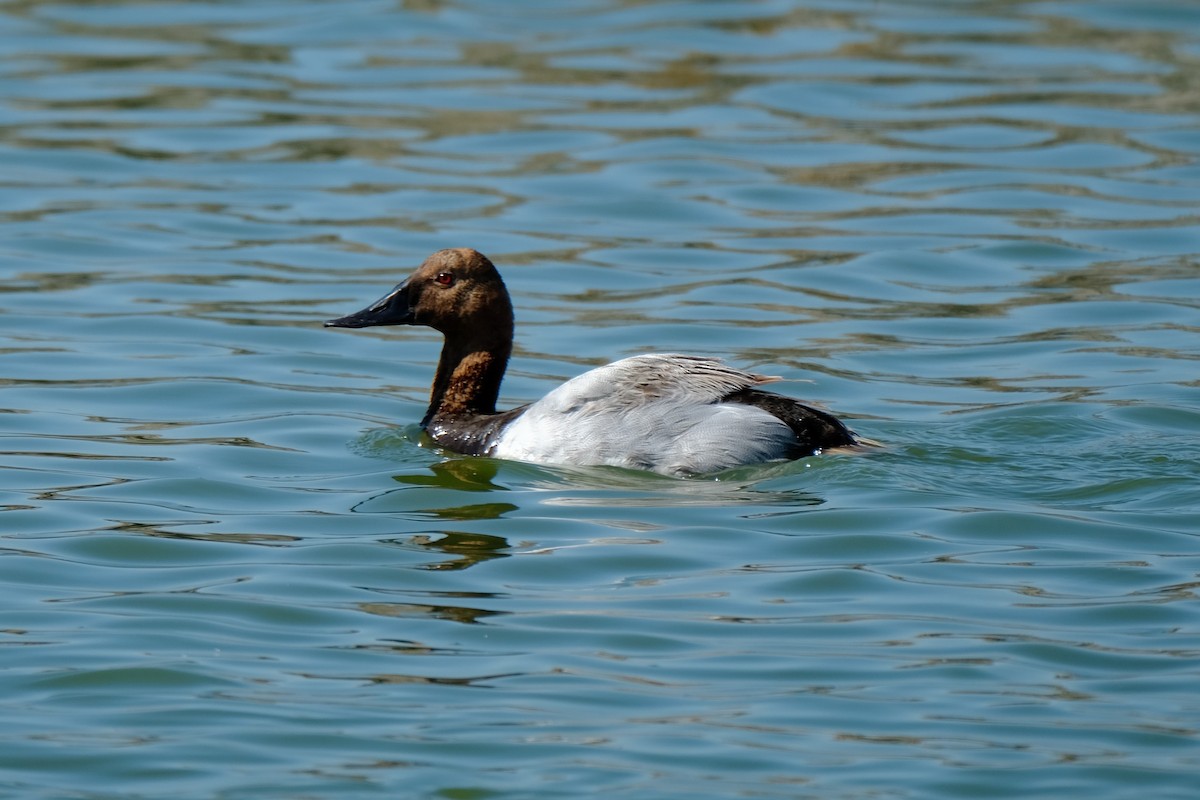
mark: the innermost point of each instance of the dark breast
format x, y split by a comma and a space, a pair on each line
470, 434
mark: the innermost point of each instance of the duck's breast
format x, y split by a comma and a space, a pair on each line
656, 412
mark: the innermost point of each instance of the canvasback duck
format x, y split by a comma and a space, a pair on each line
673, 414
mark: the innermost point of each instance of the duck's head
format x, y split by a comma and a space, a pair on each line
454, 291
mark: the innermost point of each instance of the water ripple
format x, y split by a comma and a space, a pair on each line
234, 568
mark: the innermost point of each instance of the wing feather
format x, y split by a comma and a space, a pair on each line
648, 379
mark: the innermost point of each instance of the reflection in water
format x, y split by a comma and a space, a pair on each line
468, 549
563, 485
557, 485
605, 486
161, 530
473, 475
463, 614
466, 474
397, 678
472, 511
397, 501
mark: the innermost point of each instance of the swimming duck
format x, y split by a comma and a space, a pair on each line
674, 414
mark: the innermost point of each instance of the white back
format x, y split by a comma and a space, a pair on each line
659, 412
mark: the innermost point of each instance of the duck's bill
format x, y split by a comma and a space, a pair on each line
391, 309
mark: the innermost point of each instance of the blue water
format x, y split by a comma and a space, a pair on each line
232, 569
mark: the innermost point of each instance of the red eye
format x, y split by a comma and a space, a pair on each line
445, 278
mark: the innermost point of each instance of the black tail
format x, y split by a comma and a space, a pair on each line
815, 430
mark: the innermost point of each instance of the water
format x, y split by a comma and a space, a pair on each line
232, 571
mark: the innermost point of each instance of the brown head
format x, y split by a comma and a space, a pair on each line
458, 292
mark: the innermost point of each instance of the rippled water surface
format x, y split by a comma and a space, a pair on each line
232, 570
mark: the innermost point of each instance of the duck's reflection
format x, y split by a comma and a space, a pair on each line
460, 474
466, 549
464, 474
463, 614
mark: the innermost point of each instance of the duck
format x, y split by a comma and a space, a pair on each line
674, 414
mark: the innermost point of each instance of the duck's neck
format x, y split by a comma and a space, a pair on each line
468, 378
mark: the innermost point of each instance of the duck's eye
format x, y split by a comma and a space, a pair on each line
445, 278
